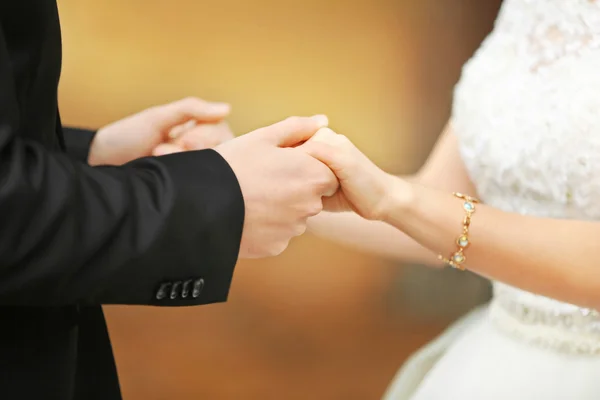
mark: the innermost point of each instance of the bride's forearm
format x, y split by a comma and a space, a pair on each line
370, 236
375, 237
555, 258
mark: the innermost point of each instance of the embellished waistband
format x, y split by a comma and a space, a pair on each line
575, 330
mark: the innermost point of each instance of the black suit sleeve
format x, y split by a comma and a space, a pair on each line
157, 231
78, 141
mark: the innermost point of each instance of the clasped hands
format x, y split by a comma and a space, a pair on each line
287, 172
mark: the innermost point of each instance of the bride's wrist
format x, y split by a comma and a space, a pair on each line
397, 200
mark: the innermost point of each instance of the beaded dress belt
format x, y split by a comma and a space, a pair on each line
567, 329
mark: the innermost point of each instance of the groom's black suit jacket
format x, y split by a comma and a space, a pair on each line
158, 231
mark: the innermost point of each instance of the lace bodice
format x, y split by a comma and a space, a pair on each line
527, 114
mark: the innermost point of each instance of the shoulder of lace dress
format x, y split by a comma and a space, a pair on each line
527, 109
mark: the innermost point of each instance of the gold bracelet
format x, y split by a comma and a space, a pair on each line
457, 259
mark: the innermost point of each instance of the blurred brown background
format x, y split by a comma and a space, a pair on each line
320, 321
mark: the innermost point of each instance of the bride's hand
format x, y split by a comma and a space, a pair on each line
364, 187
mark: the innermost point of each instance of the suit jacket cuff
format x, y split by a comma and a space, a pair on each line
209, 188
205, 226
78, 142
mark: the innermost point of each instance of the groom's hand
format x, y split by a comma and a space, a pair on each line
282, 186
187, 124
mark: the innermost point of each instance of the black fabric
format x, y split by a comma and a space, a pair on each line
77, 142
75, 237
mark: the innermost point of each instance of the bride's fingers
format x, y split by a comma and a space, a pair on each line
337, 152
167, 148
178, 130
324, 152
325, 135
205, 136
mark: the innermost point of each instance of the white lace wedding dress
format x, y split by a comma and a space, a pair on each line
527, 114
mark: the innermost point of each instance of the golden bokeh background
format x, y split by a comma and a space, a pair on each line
321, 321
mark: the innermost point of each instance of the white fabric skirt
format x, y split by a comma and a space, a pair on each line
474, 360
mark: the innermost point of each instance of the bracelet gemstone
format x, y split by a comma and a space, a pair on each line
458, 258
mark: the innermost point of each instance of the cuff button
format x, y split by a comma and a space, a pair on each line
161, 293
187, 286
175, 290
198, 285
